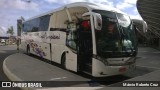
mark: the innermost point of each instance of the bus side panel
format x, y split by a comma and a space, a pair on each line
43, 36
99, 69
23, 46
40, 49
71, 60
24, 42
58, 43
57, 51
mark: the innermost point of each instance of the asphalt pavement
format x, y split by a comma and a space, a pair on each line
148, 57
32, 68
5, 51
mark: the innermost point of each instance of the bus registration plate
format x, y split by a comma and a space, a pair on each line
123, 69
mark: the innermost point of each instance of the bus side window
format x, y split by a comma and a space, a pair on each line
71, 35
26, 26
44, 23
34, 25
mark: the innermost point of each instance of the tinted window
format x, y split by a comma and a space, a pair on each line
34, 25
71, 36
44, 23
26, 26
37, 24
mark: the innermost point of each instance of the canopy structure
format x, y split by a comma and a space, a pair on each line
150, 12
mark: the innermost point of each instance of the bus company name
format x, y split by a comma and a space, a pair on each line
53, 36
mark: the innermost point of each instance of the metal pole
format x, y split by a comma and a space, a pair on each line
19, 27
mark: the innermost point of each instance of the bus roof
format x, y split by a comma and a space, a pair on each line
88, 5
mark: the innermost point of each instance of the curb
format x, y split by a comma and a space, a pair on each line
12, 76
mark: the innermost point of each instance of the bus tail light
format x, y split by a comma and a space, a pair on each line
86, 24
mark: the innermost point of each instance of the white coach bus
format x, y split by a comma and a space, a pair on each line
85, 37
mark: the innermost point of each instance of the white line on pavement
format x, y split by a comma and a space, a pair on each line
58, 78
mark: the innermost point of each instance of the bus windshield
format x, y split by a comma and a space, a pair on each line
117, 36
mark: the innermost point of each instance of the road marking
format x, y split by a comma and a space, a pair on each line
3, 52
58, 78
155, 52
142, 51
149, 52
148, 67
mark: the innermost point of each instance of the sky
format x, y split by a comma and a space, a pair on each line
11, 10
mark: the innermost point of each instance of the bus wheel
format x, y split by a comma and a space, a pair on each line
63, 61
28, 50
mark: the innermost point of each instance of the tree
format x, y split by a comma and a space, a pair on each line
10, 31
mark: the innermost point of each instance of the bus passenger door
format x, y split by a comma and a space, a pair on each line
84, 45
71, 53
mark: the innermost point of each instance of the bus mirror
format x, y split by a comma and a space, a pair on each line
97, 21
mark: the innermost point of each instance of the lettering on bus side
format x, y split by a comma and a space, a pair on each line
36, 34
53, 36
30, 34
43, 36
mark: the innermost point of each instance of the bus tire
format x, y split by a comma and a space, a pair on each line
28, 50
63, 61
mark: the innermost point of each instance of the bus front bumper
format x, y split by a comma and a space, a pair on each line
99, 69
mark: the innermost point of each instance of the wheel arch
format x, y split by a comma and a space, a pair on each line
63, 53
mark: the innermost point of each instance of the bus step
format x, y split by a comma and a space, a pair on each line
87, 68
89, 64
87, 73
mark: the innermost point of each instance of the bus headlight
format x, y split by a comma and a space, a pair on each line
101, 59
120, 61
116, 62
131, 60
